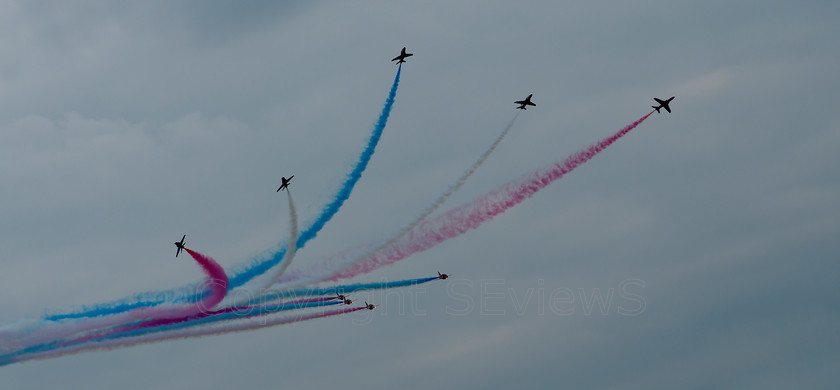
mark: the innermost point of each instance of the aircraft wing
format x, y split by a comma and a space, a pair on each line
660, 101
668, 109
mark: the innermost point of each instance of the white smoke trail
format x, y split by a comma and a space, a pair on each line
250, 291
35, 332
334, 265
30, 333
227, 327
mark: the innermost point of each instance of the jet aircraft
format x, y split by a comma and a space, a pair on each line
369, 306
663, 104
285, 183
526, 102
402, 56
442, 276
180, 245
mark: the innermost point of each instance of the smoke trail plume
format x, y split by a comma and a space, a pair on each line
257, 267
213, 290
331, 269
341, 196
261, 282
469, 216
205, 318
244, 325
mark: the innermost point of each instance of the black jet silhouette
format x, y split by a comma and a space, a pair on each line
180, 245
285, 183
402, 56
526, 102
663, 104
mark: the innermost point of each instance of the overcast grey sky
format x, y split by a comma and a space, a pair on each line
715, 229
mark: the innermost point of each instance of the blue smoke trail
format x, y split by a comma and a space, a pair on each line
257, 267
257, 311
265, 309
271, 308
340, 197
348, 288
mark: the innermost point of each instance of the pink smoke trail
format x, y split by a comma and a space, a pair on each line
218, 294
216, 283
216, 287
466, 217
240, 326
46, 331
297, 279
247, 312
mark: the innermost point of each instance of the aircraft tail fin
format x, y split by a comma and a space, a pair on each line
656, 108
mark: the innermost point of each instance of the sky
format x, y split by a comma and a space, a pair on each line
709, 234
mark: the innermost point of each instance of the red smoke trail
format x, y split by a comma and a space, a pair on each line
247, 312
300, 279
169, 321
253, 323
215, 285
469, 216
